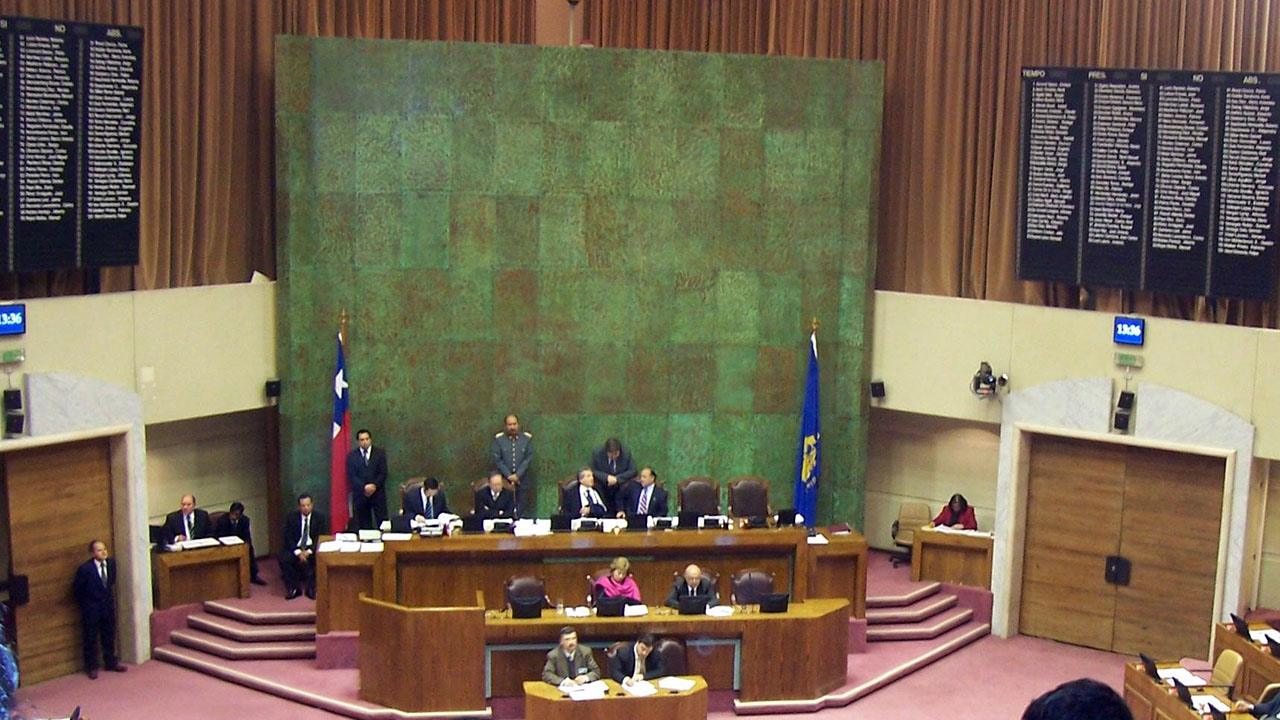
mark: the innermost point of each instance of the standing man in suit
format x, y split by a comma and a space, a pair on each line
569, 661
367, 479
188, 522
613, 469
633, 663
235, 522
302, 530
512, 453
692, 584
428, 503
584, 501
495, 501
93, 588
644, 497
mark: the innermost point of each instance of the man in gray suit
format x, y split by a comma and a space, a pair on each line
512, 453
569, 662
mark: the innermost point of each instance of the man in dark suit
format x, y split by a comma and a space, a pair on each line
302, 530
584, 500
95, 580
236, 523
612, 467
428, 503
570, 661
643, 497
633, 663
495, 501
692, 584
188, 522
367, 480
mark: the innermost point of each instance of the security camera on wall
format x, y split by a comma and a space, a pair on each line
986, 383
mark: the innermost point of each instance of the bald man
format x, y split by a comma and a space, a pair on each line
188, 522
691, 583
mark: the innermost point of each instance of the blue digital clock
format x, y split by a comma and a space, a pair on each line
13, 319
1129, 330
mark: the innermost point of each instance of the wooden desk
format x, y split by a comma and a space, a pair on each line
545, 702
193, 576
1259, 668
951, 558
444, 572
1149, 700
799, 654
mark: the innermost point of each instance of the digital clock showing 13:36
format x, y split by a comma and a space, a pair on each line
13, 319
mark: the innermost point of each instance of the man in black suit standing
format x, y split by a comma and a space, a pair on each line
584, 500
426, 504
613, 469
236, 523
495, 501
633, 663
692, 584
188, 522
302, 530
367, 479
95, 580
644, 497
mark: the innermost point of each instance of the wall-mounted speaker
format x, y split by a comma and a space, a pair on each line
877, 389
273, 388
13, 399
1126, 400
14, 423
1121, 421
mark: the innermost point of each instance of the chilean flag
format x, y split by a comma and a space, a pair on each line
338, 507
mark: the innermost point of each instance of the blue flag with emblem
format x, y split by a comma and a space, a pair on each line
809, 453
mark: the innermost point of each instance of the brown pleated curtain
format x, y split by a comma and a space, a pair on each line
208, 163
949, 153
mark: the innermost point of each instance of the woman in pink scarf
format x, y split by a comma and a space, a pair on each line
618, 583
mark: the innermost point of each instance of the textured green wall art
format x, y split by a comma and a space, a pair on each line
606, 242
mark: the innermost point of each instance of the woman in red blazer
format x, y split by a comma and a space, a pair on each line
957, 514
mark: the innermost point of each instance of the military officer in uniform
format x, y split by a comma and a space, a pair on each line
512, 453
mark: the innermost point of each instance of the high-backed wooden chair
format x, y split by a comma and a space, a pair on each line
409, 488
699, 494
214, 517
526, 587
748, 496
567, 485
748, 586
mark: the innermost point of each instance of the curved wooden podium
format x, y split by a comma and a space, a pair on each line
397, 642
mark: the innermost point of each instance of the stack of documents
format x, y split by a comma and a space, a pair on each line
1260, 636
396, 537
1182, 675
720, 611
1202, 703
370, 534
640, 688
678, 684
231, 540
589, 691
371, 547
635, 611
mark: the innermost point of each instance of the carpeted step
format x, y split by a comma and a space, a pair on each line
913, 613
930, 628
237, 611
908, 597
247, 633
232, 650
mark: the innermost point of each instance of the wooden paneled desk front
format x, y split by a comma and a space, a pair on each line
1149, 700
1259, 668
193, 576
955, 558
545, 702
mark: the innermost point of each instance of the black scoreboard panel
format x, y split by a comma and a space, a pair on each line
1174, 188
71, 111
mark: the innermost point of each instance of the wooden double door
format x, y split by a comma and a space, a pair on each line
1160, 510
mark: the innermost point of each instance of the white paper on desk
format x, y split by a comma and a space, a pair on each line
371, 547
1202, 703
383, 526
346, 537
715, 521
720, 611
678, 684
1260, 636
532, 528
961, 531
613, 524
329, 546
819, 539
590, 691
635, 611
579, 612
175, 547
231, 540
353, 546
640, 688
200, 543
1182, 675
369, 535
396, 537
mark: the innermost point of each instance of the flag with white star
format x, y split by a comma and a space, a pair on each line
339, 510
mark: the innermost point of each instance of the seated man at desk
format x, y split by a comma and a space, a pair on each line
188, 522
495, 501
568, 661
633, 663
585, 501
236, 523
644, 497
302, 529
428, 503
691, 584
1268, 709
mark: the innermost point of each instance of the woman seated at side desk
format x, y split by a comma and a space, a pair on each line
618, 583
957, 514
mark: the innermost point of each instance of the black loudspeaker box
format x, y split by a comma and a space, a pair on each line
14, 423
273, 388
877, 389
13, 399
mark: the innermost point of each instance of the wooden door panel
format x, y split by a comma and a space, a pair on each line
1074, 503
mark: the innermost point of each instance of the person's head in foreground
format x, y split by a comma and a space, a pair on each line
1082, 699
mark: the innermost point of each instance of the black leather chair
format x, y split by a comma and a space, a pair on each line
749, 585
526, 587
748, 496
699, 494
671, 650
409, 488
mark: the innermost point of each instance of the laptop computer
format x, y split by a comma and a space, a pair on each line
1149, 665
787, 517
504, 525
589, 525
1274, 646
155, 534
664, 523
561, 523
401, 524
1183, 693
1216, 714
693, 604
473, 524
611, 607
754, 522
775, 602
638, 523
526, 608
1242, 627
689, 520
